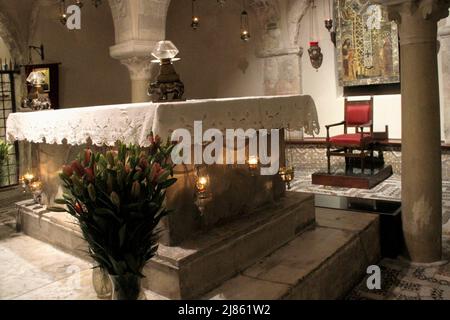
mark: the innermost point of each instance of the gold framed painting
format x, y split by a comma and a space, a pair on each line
366, 43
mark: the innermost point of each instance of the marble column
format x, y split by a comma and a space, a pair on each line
421, 135
140, 75
138, 26
444, 39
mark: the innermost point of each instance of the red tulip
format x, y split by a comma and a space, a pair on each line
77, 168
143, 163
67, 170
156, 172
78, 208
87, 157
154, 139
89, 172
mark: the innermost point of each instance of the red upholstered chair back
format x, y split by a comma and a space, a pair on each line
358, 113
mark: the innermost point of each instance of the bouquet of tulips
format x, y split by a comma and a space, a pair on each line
118, 199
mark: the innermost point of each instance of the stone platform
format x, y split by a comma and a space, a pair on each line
191, 269
323, 262
361, 180
197, 265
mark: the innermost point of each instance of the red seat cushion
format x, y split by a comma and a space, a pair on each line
349, 139
358, 114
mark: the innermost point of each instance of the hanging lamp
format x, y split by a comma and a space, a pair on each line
315, 52
195, 19
245, 25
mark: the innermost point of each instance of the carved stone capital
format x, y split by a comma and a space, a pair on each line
139, 67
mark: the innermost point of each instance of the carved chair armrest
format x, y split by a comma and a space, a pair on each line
333, 125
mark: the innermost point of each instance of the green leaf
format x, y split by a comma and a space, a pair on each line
56, 209
166, 184
163, 177
60, 201
122, 234
104, 211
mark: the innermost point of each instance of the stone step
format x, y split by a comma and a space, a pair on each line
196, 266
58, 229
199, 265
323, 263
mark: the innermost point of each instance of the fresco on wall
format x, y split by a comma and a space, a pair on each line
367, 44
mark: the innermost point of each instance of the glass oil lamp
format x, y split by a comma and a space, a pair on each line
63, 15
32, 184
245, 33
287, 174
195, 22
195, 19
168, 86
37, 99
202, 186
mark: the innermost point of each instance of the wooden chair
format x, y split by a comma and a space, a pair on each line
358, 115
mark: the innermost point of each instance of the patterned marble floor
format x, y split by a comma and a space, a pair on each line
33, 270
401, 281
389, 189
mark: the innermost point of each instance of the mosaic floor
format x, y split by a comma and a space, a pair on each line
400, 281
24, 274
389, 190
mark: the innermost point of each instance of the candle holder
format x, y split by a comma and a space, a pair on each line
203, 193
287, 174
202, 187
31, 184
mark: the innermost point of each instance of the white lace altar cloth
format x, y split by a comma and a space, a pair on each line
131, 123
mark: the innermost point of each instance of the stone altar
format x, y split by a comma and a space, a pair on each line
247, 216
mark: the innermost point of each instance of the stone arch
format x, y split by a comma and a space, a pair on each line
10, 36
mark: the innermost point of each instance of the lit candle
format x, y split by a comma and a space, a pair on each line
28, 177
36, 186
253, 162
202, 183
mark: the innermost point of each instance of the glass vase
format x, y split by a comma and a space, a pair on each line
127, 287
102, 283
